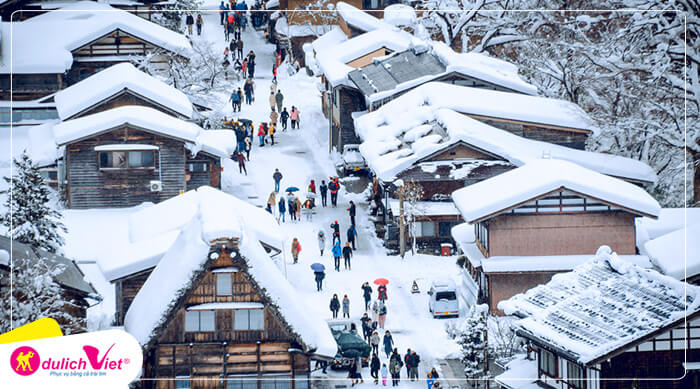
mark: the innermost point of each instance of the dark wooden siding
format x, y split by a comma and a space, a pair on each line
29, 86
125, 97
210, 177
560, 136
125, 291
349, 101
88, 187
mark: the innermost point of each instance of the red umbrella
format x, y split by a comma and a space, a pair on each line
381, 281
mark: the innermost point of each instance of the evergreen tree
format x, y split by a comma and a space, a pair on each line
29, 218
35, 295
472, 341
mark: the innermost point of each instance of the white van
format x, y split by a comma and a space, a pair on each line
443, 299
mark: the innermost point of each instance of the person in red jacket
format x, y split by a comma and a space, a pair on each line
261, 135
334, 186
240, 158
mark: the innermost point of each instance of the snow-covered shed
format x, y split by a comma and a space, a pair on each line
132, 154
120, 84
610, 319
217, 292
44, 55
154, 228
533, 117
538, 219
75, 290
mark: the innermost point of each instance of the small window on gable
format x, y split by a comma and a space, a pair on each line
223, 284
248, 319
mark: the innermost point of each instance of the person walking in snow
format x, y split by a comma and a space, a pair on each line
291, 207
200, 22
388, 343
381, 292
382, 314
248, 89
321, 241
274, 74
296, 249
235, 101
385, 372
407, 361
295, 116
336, 231
351, 233
232, 46
346, 307
347, 254
284, 115
272, 101
271, 200
282, 209
279, 99
374, 365
271, 131
248, 146
240, 158
277, 176
375, 311
239, 48
319, 276
395, 365
261, 135
352, 211
273, 117
297, 207
307, 208
334, 187
222, 14
335, 305
337, 252
366, 326
189, 21
415, 361
367, 294
374, 342
324, 192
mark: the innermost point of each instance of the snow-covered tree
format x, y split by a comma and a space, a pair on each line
35, 295
171, 14
30, 218
472, 342
411, 192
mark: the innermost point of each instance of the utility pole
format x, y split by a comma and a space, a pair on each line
402, 224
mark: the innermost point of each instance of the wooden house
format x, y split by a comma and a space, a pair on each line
74, 287
543, 218
216, 311
608, 324
100, 36
129, 266
132, 154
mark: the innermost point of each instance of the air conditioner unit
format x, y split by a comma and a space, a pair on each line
156, 186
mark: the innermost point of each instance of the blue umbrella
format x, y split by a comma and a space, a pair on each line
317, 267
292, 189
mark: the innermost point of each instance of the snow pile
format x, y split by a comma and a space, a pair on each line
542, 176
426, 208
390, 137
399, 15
333, 61
105, 84
216, 216
43, 44
40, 148
520, 373
360, 19
565, 312
677, 253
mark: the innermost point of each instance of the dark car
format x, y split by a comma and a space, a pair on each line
350, 344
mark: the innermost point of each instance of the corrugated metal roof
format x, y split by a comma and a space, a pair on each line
386, 73
71, 277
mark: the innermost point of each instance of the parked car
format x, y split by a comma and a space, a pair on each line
352, 160
443, 299
350, 344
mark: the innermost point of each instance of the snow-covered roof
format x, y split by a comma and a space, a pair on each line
328, 40
567, 312
464, 236
548, 263
427, 208
670, 219
538, 177
404, 131
283, 28
102, 85
677, 253
216, 217
154, 228
520, 373
43, 44
333, 61
399, 15
359, 18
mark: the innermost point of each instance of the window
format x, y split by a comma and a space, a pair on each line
197, 167
223, 284
127, 159
242, 382
445, 228
301, 382
445, 296
199, 321
574, 375
548, 363
182, 382
279, 382
425, 229
248, 319
49, 175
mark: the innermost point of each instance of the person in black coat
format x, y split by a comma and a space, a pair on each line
352, 211
336, 231
335, 306
367, 294
351, 233
374, 366
284, 116
319, 276
347, 254
366, 326
324, 193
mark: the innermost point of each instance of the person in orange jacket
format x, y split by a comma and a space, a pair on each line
296, 249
